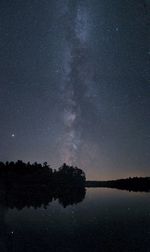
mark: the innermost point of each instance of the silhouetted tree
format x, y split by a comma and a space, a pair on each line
70, 175
35, 184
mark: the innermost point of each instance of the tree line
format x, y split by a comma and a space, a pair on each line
21, 173
131, 184
25, 184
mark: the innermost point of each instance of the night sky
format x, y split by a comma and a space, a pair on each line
74, 84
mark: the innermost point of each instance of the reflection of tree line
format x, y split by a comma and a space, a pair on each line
31, 196
131, 184
35, 185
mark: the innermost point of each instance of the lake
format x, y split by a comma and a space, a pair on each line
105, 220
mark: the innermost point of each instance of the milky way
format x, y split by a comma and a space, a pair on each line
74, 85
77, 75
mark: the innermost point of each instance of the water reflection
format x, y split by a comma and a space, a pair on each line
106, 220
41, 196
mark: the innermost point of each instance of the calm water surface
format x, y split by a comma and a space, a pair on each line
106, 220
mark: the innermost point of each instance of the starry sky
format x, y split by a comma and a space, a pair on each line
74, 84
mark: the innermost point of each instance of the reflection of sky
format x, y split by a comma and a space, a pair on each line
107, 217
74, 85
